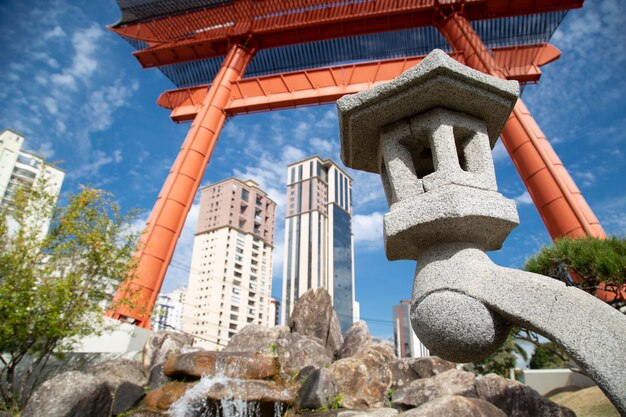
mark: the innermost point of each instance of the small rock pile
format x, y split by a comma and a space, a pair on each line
305, 369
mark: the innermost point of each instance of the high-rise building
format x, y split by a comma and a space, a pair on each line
274, 312
318, 237
22, 169
407, 345
168, 311
230, 282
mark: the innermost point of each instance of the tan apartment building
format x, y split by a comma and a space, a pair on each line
230, 282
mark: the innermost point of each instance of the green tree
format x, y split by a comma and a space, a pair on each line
549, 356
587, 263
54, 286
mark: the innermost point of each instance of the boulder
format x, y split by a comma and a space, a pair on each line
146, 413
71, 394
406, 370
318, 390
118, 371
163, 397
357, 339
516, 399
157, 378
161, 344
365, 378
256, 338
241, 365
314, 316
457, 406
295, 352
374, 412
125, 397
421, 391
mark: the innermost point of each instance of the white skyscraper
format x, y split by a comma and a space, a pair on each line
19, 168
168, 311
230, 282
318, 237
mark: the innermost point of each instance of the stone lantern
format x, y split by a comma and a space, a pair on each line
429, 134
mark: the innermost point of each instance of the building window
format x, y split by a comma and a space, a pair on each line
244, 194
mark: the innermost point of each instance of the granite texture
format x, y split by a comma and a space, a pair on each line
461, 277
438, 81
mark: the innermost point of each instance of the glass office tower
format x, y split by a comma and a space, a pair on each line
318, 237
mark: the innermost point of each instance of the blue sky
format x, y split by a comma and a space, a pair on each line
80, 98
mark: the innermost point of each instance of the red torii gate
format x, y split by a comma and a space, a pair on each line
167, 34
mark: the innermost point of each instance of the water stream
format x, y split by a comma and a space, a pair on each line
194, 402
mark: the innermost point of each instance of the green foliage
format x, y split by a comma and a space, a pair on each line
548, 356
334, 403
389, 399
54, 286
273, 348
593, 260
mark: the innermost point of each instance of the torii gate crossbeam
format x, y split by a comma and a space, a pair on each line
246, 26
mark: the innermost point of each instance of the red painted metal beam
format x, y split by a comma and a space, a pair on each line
207, 33
176, 197
326, 85
559, 202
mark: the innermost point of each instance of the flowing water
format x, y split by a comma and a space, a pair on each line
194, 403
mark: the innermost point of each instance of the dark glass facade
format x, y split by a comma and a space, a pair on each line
342, 254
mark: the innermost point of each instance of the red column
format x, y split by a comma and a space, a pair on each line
561, 206
168, 216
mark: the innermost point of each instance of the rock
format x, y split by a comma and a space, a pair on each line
162, 343
295, 352
457, 406
156, 377
358, 339
162, 398
256, 338
71, 394
318, 390
241, 365
314, 316
420, 391
126, 396
516, 399
406, 370
374, 412
365, 378
118, 371
146, 413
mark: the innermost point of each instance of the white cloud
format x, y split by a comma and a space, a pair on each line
368, 227
84, 62
523, 199
328, 120
51, 105
46, 150
302, 129
322, 147
587, 178
97, 161
178, 272
57, 32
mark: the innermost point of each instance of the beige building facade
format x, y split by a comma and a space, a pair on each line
230, 282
